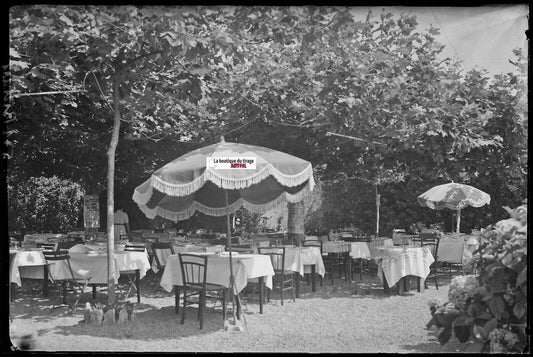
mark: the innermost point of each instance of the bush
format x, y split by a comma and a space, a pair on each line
45, 204
490, 309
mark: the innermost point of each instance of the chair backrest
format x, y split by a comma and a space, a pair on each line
134, 248
241, 248
47, 246
277, 257
59, 255
432, 240
193, 269
161, 252
313, 243
282, 241
66, 245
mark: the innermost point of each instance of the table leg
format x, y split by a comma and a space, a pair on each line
313, 279
386, 288
296, 278
45, 281
238, 301
401, 285
348, 261
137, 284
261, 293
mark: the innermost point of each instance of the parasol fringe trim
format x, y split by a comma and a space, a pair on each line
142, 198
177, 189
222, 211
233, 184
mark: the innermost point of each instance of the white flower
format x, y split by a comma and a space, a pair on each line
462, 288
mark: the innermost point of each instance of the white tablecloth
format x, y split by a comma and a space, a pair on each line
397, 262
163, 254
245, 266
94, 265
27, 264
44, 237
300, 259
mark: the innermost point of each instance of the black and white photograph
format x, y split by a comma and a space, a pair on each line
265, 179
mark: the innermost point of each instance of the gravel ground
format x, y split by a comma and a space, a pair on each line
347, 317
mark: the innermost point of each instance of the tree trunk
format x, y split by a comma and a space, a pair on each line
111, 192
295, 222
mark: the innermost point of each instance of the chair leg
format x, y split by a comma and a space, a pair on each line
224, 305
282, 287
177, 298
184, 306
201, 308
292, 289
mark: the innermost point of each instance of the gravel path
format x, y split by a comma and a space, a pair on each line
347, 317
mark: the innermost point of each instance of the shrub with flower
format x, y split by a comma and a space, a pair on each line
462, 290
490, 309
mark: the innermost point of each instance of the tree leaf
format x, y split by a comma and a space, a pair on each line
490, 325
497, 306
522, 277
519, 310
480, 333
460, 329
445, 335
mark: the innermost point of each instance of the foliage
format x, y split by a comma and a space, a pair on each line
45, 204
490, 309
274, 76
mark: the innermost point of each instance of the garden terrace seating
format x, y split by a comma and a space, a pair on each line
66, 245
160, 252
432, 240
67, 281
328, 263
47, 246
194, 275
362, 239
131, 274
282, 279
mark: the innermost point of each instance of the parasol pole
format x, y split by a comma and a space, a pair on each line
458, 219
231, 279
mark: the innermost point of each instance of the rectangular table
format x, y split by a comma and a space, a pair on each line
93, 264
31, 265
163, 254
245, 267
395, 264
304, 260
344, 248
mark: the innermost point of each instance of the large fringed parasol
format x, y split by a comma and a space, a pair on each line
455, 196
219, 179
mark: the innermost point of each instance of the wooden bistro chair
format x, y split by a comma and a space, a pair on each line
282, 279
47, 246
194, 280
67, 282
328, 263
160, 253
67, 245
132, 275
432, 240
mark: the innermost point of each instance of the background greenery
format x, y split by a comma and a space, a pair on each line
280, 77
